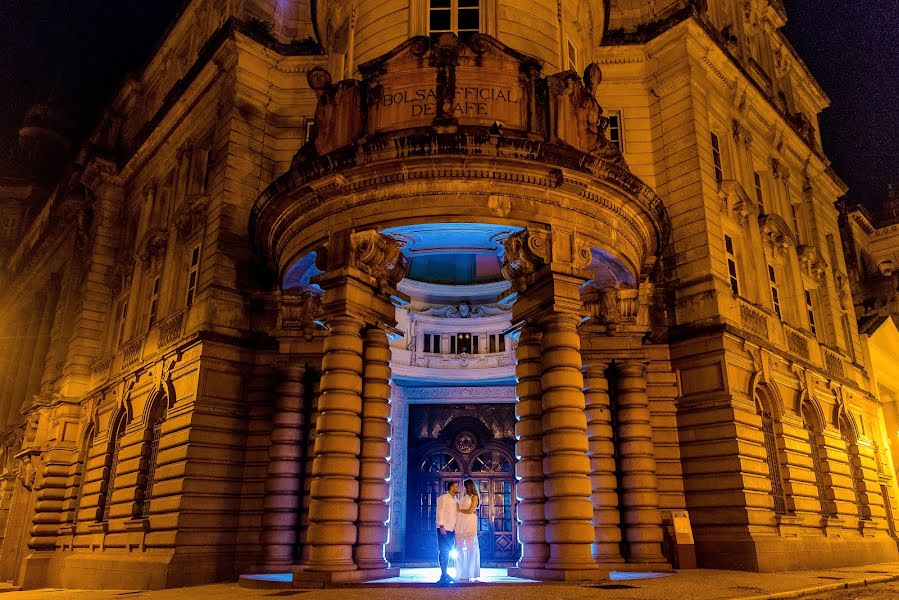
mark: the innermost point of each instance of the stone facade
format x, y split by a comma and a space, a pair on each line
296, 224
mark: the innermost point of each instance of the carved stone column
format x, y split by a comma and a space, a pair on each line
282, 485
603, 478
529, 449
344, 543
335, 487
547, 270
565, 464
374, 469
639, 486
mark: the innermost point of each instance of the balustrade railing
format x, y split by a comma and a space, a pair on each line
754, 320
797, 343
833, 364
131, 352
171, 329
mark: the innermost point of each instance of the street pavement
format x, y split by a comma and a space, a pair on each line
867, 582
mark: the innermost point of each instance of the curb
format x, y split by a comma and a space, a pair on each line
818, 589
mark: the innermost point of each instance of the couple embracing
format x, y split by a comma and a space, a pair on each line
457, 526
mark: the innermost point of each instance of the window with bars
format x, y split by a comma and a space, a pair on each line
154, 303
731, 264
462, 17
112, 466
817, 466
613, 132
777, 489
759, 192
810, 309
855, 470
148, 474
775, 291
79, 491
888, 508
716, 158
192, 275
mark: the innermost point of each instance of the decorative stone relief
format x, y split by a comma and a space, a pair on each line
462, 311
525, 252
299, 308
379, 256
776, 233
193, 216
152, 247
812, 262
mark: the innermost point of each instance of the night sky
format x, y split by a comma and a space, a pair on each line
81, 49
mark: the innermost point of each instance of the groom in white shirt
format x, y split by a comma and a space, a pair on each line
447, 508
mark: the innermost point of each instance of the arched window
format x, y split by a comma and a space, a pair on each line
771, 455
491, 461
462, 17
814, 430
82, 472
855, 467
440, 462
116, 432
153, 434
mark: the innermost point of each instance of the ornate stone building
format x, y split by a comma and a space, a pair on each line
321, 257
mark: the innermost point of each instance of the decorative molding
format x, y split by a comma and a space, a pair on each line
463, 310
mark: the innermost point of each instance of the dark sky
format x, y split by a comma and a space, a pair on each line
83, 48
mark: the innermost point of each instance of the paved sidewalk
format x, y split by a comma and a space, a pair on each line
700, 584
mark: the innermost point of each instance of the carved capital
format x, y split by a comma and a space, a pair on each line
525, 252
193, 216
378, 256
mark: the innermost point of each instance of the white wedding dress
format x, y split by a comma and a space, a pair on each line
468, 566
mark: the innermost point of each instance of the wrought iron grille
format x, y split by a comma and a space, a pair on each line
815, 453
777, 488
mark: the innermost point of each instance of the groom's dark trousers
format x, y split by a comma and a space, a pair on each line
445, 543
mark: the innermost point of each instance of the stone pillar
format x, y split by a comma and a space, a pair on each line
335, 487
566, 466
374, 469
309, 442
639, 486
281, 508
603, 478
547, 270
529, 449
24, 359
42, 342
361, 273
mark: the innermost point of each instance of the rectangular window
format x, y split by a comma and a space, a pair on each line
452, 344
310, 123
731, 264
475, 340
847, 332
492, 345
435, 343
462, 17
759, 195
427, 343
192, 275
572, 57
123, 318
463, 343
614, 130
775, 293
794, 211
810, 308
154, 303
716, 158
502, 343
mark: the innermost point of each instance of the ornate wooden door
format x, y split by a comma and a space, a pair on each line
493, 473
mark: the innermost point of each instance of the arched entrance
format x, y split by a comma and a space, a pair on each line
463, 454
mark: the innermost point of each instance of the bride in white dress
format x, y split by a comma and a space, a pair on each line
468, 567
